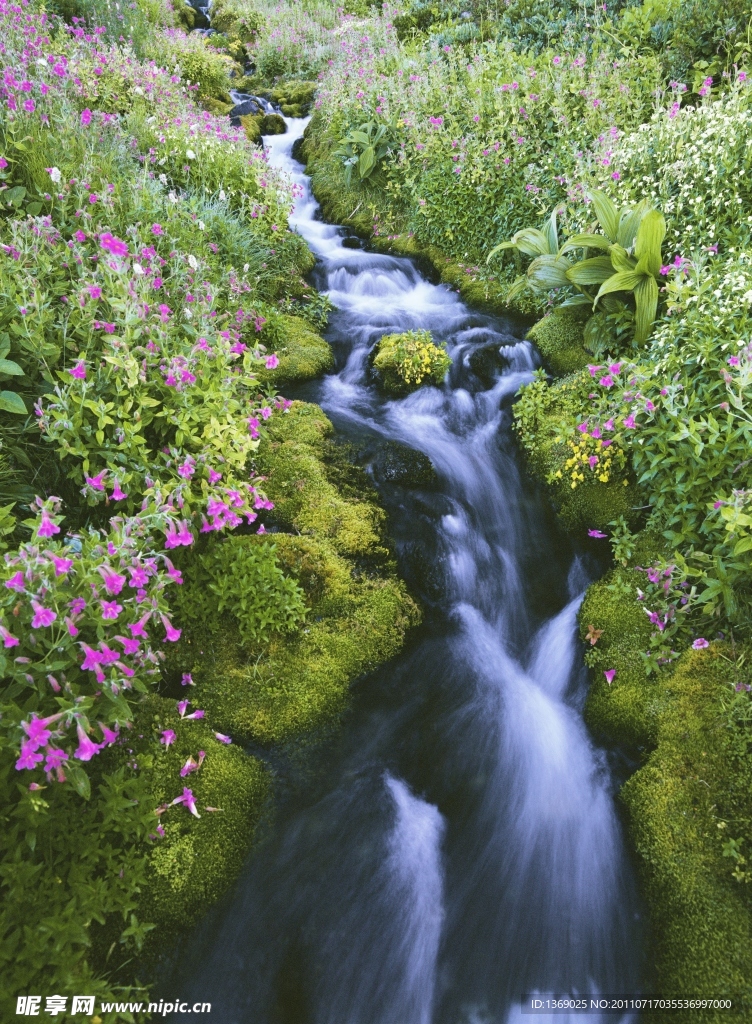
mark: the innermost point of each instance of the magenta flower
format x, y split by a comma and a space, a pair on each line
629, 422
195, 714
222, 738
183, 707
29, 758
615, 368
37, 729
156, 229
593, 369
113, 581
16, 582
112, 244
608, 425
137, 628
110, 609
597, 534
96, 482
272, 362
95, 292
187, 679
607, 381
582, 427
593, 461
55, 758
214, 476
109, 736
62, 565
80, 236
79, 370
700, 643
168, 737
609, 673
8, 639
86, 748
189, 800
43, 617
85, 116
117, 493
47, 528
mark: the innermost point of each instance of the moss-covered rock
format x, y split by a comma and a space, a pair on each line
251, 125
395, 463
272, 124
215, 106
626, 710
197, 859
559, 339
692, 797
409, 360
304, 498
303, 354
294, 98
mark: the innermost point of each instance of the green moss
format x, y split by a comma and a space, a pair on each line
215, 106
594, 506
307, 502
293, 687
251, 124
198, 858
559, 339
303, 354
296, 95
693, 794
272, 124
625, 711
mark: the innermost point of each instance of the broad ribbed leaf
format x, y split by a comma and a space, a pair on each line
551, 232
621, 260
578, 300
646, 298
517, 288
591, 271
650, 235
630, 222
606, 212
585, 241
11, 368
498, 248
532, 242
623, 282
548, 272
366, 162
360, 137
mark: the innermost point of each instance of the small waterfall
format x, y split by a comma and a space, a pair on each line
371, 904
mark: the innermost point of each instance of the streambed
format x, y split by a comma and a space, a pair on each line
465, 848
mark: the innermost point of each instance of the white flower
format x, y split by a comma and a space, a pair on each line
747, 297
222, 195
245, 267
54, 173
137, 268
193, 262
187, 314
201, 225
163, 178
190, 155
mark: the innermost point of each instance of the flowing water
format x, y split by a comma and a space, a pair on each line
465, 848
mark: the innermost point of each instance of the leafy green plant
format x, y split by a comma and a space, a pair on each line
632, 238
364, 148
244, 578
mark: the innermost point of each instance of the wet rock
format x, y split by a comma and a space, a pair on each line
395, 463
273, 124
297, 151
487, 362
250, 106
353, 242
200, 20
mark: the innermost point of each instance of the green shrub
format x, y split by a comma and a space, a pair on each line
559, 339
194, 58
406, 361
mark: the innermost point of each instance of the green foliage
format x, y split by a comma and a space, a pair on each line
559, 339
194, 58
406, 361
243, 577
303, 353
364, 148
631, 237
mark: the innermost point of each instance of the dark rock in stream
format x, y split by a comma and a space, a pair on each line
487, 363
353, 242
395, 463
249, 106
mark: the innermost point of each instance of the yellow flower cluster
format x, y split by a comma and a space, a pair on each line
591, 459
410, 359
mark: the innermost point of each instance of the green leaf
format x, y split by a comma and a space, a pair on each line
11, 402
650, 235
585, 241
518, 287
34, 208
591, 271
499, 248
78, 779
532, 242
11, 368
606, 212
621, 260
367, 162
15, 195
622, 282
551, 233
629, 222
548, 272
646, 298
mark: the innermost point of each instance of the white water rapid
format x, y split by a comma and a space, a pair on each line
460, 846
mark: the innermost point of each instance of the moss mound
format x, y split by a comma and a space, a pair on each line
272, 124
357, 611
692, 797
559, 339
294, 98
407, 361
303, 354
